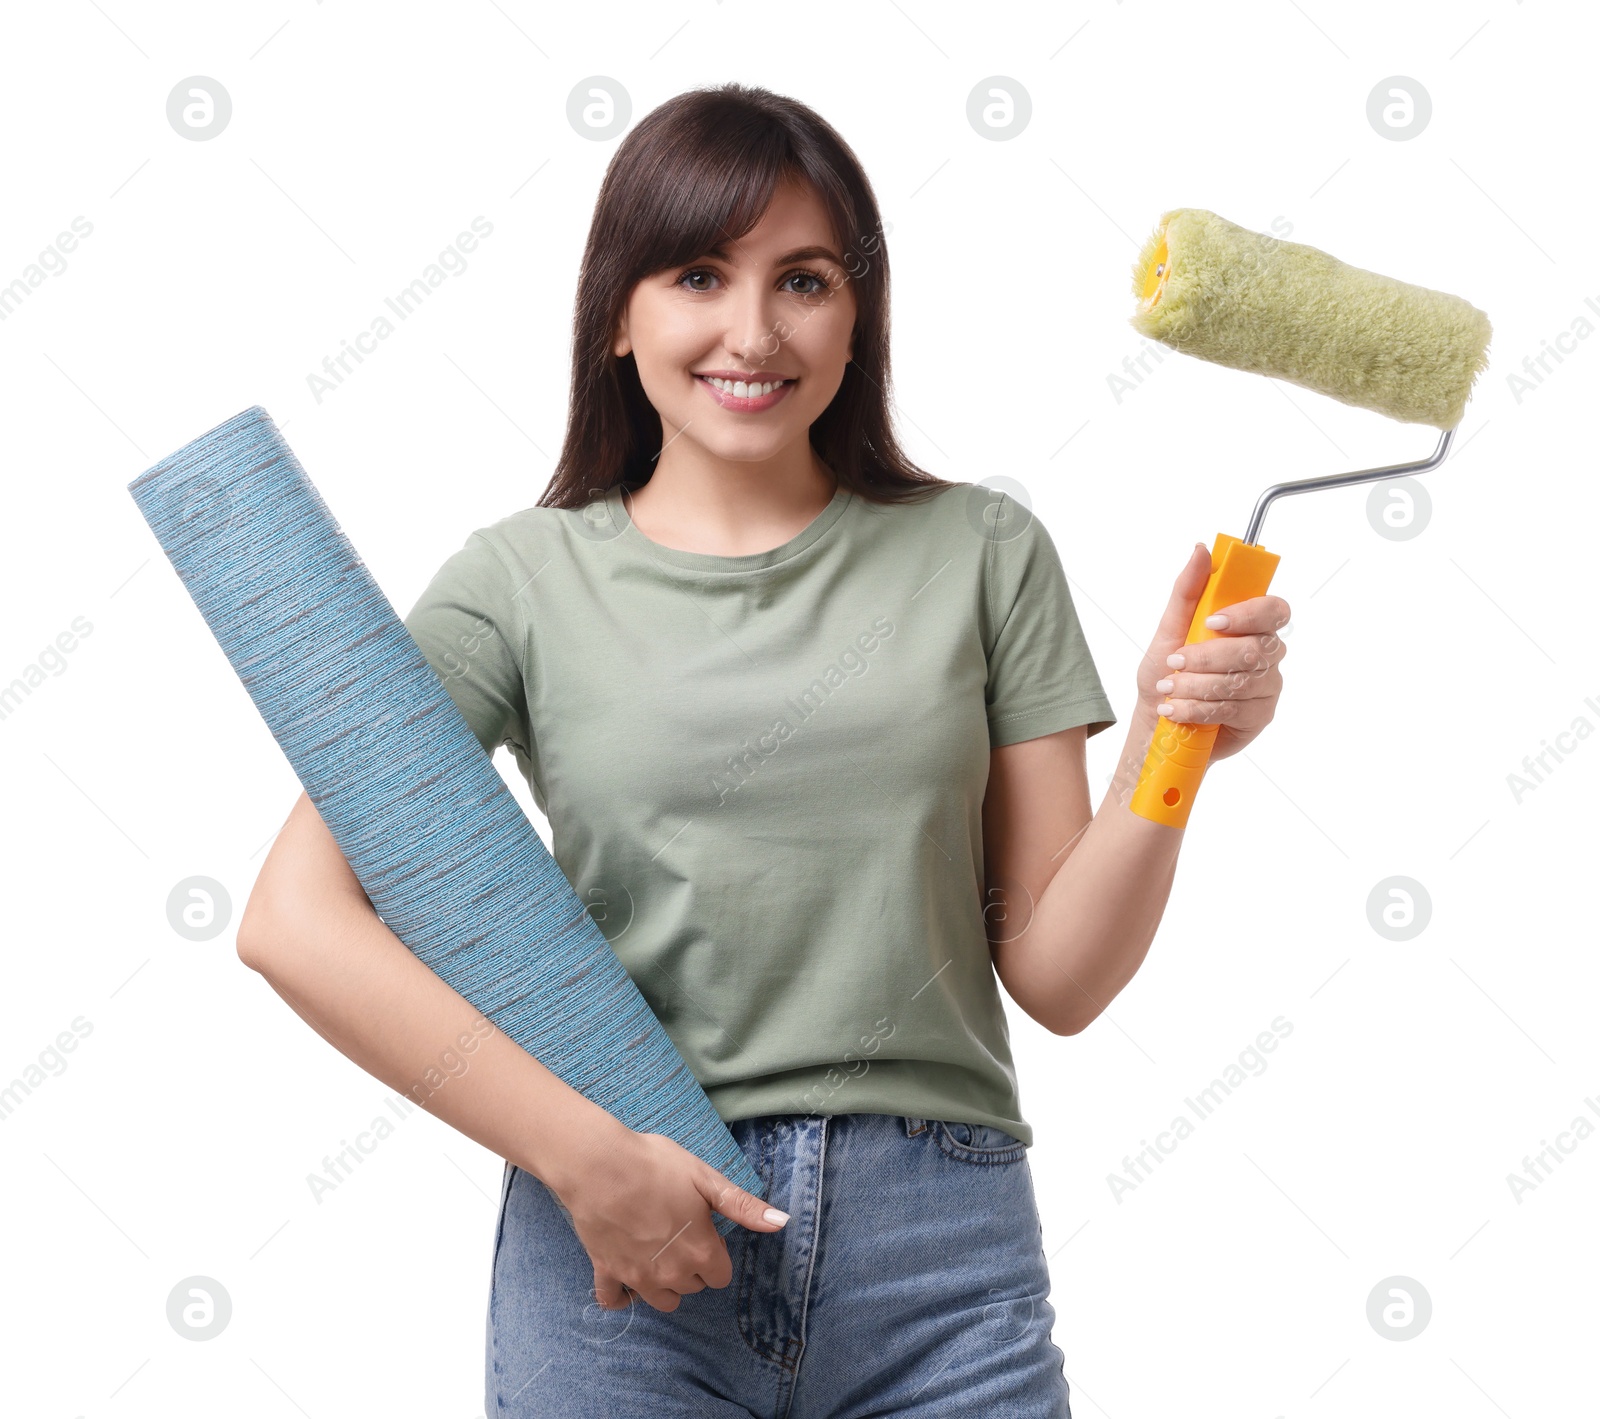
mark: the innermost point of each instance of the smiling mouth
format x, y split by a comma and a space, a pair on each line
746, 396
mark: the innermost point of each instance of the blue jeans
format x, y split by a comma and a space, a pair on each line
910, 1280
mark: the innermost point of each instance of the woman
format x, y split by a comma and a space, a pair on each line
808, 724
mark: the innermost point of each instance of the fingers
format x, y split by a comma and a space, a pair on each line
1239, 712
1240, 658
707, 1264
1229, 651
661, 1299
1254, 683
1251, 684
687, 1254
716, 1268
1186, 592
739, 1206
1230, 678
609, 1292
1258, 615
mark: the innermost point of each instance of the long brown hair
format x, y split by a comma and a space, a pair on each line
698, 170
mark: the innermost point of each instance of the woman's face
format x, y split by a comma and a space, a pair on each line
773, 305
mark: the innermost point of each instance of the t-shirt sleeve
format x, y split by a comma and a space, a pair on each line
470, 630
1042, 677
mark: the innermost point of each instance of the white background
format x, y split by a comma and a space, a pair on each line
1418, 1074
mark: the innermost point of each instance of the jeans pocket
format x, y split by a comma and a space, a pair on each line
978, 1142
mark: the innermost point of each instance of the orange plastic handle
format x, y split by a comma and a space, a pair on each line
1179, 753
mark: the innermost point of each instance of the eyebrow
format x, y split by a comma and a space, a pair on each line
800, 253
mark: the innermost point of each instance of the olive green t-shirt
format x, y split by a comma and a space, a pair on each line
764, 774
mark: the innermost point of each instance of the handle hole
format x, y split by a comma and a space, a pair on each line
1171, 797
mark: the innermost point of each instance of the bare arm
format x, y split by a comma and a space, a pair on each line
1072, 900
311, 930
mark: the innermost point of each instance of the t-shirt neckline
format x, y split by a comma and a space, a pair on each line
710, 561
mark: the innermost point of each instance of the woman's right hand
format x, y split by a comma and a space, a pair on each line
642, 1210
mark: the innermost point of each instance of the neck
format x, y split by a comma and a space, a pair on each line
700, 503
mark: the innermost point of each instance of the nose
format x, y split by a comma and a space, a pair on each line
753, 333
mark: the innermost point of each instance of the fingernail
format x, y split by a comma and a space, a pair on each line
1218, 622
1164, 709
1201, 546
1165, 686
773, 1215
1175, 660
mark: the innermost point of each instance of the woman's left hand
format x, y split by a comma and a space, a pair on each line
1231, 681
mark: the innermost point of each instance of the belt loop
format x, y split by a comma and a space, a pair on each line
914, 1126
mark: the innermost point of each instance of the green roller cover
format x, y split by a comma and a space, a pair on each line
1222, 293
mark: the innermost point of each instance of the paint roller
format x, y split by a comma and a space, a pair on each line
447, 856
1220, 292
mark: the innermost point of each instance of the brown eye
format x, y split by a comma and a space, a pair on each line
820, 287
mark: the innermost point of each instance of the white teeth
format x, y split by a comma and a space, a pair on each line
742, 390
